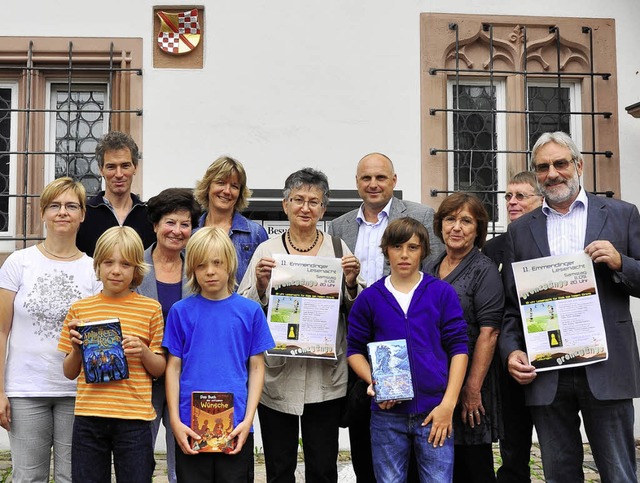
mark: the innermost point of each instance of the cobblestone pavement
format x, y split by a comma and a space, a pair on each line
345, 472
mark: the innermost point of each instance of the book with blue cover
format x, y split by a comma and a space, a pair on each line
103, 356
390, 370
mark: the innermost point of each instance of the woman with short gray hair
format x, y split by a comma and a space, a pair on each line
300, 391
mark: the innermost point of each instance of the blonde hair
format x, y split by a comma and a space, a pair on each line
205, 244
59, 186
221, 170
131, 249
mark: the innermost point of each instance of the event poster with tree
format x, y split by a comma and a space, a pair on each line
561, 315
304, 306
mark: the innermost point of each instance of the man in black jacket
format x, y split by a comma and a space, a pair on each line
522, 196
117, 155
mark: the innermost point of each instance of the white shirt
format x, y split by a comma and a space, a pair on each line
566, 232
45, 289
403, 299
367, 247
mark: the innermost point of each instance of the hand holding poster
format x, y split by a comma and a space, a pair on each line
304, 306
561, 316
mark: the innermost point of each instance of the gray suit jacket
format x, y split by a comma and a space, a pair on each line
607, 219
148, 287
346, 226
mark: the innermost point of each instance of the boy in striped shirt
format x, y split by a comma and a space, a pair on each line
114, 416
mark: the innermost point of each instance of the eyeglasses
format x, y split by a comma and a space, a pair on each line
69, 207
560, 165
465, 221
518, 196
300, 202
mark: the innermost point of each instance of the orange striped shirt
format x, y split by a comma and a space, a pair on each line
129, 398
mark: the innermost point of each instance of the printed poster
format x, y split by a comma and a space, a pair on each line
304, 306
560, 310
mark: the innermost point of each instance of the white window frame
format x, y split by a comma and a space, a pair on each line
8, 245
575, 104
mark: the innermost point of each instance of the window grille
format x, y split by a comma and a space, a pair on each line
548, 104
69, 95
6, 96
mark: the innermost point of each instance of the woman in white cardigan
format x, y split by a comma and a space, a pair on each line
302, 392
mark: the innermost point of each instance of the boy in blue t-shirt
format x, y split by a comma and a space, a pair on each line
215, 340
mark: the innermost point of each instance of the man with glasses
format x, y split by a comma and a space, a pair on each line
522, 196
608, 230
117, 156
362, 231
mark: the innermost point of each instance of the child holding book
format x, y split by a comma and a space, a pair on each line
426, 312
115, 416
215, 339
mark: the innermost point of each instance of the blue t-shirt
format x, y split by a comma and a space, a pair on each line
215, 339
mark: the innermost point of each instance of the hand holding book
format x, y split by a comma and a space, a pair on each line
74, 335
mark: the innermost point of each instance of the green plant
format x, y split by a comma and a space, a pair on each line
5, 474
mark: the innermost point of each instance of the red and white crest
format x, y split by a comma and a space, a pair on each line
179, 32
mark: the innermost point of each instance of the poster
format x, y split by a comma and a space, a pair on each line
560, 310
304, 306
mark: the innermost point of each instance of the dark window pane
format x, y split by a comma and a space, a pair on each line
80, 123
475, 132
552, 101
5, 147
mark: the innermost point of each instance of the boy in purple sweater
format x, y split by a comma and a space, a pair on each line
426, 312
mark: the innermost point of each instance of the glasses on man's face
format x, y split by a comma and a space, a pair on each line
518, 196
559, 165
300, 202
69, 207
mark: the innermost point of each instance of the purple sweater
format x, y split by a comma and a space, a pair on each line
434, 329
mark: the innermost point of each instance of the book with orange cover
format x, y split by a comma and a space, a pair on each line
212, 420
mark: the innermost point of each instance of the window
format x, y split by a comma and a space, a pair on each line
475, 162
491, 85
58, 96
78, 121
7, 159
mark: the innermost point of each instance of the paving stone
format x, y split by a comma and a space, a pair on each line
345, 471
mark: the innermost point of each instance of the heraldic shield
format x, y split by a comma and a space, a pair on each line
179, 32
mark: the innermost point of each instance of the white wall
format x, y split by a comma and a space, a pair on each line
288, 84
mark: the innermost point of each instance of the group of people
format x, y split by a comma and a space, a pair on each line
189, 278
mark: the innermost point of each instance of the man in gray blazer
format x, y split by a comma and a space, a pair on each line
608, 230
362, 230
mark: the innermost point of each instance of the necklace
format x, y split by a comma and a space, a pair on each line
44, 247
315, 242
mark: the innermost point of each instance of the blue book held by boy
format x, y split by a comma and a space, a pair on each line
390, 370
103, 356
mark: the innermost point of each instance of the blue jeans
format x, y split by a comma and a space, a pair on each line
393, 435
37, 424
94, 439
608, 424
159, 401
